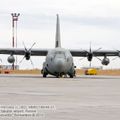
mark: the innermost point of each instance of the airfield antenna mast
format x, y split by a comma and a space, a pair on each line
14, 40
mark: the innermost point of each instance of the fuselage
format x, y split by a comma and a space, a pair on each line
59, 62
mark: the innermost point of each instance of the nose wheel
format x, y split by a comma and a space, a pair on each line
59, 75
64, 75
71, 76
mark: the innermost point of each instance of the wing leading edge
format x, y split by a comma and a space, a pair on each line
43, 52
14, 51
81, 53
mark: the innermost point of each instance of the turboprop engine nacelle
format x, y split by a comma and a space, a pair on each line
11, 59
105, 61
27, 55
89, 56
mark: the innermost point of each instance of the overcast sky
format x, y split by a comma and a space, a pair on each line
81, 21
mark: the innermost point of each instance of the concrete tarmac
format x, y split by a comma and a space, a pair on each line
79, 98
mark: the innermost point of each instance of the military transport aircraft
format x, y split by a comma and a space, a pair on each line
59, 61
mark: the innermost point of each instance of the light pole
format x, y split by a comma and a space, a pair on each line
14, 32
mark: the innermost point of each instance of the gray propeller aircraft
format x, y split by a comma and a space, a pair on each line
59, 61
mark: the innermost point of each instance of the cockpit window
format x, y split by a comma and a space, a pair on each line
60, 54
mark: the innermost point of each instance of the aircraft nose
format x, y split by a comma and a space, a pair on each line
60, 65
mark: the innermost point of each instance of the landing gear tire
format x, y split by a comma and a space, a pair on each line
44, 75
71, 76
57, 76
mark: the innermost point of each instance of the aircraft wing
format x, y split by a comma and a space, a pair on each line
100, 53
15, 51
106, 53
43, 52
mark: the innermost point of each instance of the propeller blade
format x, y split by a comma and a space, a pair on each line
85, 51
32, 46
98, 49
22, 60
98, 58
115, 58
82, 58
32, 63
24, 46
90, 64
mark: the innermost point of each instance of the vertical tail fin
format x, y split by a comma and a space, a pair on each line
57, 39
